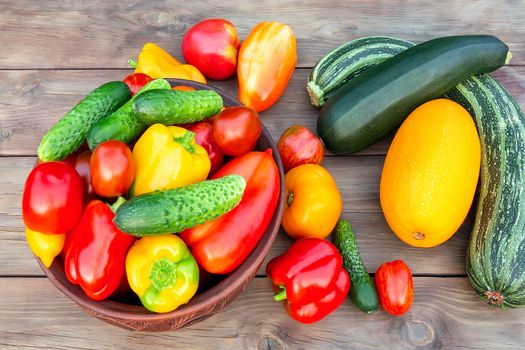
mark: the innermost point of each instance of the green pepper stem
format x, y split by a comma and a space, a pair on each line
186, 141
133, 63
163, 274
281, 295
120, 200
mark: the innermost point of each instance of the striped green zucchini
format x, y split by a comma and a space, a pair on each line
496, 251
347, 61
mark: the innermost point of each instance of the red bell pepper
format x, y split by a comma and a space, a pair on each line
221, 245
96, 251
310, 275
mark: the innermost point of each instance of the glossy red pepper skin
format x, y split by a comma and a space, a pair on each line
310, 275
395, 287
221, 245
95, 252
203, 136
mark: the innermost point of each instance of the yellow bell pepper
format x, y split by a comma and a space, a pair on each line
312, 202
45, 246
162, 272
157, 63
167, 157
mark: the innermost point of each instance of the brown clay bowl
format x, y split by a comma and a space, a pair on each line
204, 304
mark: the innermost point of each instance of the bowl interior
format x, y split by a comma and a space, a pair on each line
217, 292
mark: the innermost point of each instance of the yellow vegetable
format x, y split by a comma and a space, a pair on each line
45, 246
430, 173
157, 63
167, 157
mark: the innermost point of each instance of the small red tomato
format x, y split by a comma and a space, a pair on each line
395, 287
212, 46
136, 81
203, 137
52, 200
298, 146
81, 165
112, 169
236, 130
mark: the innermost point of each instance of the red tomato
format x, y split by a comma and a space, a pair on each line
212, 46
236, 130
298, 145
395, 287
203, 137
136, 81
183, 88
112, 169
52, 200
81, 165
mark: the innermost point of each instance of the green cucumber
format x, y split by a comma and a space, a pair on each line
69, 133
363, 291
172, 211
495, 254
345, 63
123, 124
375, 102
171, 107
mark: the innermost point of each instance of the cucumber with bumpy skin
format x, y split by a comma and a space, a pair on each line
69, 133
123, 124
363, 291
170, 107
172, 211
348, 61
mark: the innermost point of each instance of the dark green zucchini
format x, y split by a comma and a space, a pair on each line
363, 291
375, 102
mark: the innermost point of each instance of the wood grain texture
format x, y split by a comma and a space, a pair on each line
446, 314
32, 101
357, 178
104, 34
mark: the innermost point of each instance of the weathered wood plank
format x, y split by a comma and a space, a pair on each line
104, 34
358, 180
446, 314
32, 101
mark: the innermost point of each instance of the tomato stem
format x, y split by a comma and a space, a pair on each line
281, 295
289, 200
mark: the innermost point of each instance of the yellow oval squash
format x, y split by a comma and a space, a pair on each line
430, 173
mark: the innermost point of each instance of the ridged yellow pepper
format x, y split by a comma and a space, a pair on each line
157, 63
162, 272
167, 157
45, 246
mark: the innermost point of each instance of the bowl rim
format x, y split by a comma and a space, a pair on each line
205, 302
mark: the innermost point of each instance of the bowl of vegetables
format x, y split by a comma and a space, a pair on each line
187, 250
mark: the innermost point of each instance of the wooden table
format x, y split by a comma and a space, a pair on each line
53, 52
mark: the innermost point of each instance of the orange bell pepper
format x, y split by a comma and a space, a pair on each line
312, 202
266, 63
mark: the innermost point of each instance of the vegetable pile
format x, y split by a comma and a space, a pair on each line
189, 193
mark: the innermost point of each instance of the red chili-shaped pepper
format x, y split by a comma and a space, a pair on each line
96, 251
310, 276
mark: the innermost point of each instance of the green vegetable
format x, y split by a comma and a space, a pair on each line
172, 211
122, 124
495, 263
70, 132
345, 63
171, 107
375, 102
363, 291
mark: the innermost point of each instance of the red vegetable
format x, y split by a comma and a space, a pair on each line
394, 287
236, 130
112, 169
95, 251
298, 145
221, 245
81, 164
136, 81
212, 46
203, 137
52, 199
311, 277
